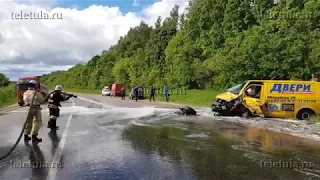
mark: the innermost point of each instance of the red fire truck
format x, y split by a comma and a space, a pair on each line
23, 84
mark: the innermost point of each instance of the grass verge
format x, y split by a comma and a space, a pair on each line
7, 96
198, 98
315, 118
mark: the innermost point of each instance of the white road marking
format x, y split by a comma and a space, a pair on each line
57, 156
95, 102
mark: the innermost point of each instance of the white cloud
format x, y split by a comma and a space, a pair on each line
75, 38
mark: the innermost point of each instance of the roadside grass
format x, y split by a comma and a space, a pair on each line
8, 96
315, 118
197, 98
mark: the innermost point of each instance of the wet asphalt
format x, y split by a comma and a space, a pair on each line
96, 142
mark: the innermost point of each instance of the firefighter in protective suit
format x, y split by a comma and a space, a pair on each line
34, 111
54, 100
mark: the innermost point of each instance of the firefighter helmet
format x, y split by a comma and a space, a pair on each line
58, 88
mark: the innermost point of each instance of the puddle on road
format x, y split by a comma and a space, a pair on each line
214, 147
226, 150
146, 115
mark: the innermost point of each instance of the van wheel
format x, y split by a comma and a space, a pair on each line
20, 104
243, 111
305, 114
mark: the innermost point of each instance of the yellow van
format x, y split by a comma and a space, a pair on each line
270, 98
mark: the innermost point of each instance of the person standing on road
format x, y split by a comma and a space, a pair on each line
136, 93
123, 93
152, 93
167, 93
34, 111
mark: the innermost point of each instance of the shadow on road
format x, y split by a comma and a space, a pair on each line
54, 139
37, 163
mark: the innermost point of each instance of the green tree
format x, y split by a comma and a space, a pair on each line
215, 44
4, 81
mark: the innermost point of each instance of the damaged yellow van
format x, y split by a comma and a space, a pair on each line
270, 98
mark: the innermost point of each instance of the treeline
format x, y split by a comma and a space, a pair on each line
4, 81
215, 44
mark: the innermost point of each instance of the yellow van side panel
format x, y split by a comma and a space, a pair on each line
284, 95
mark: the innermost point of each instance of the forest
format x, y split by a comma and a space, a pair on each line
215, 44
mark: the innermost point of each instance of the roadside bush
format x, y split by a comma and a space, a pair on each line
315, 118
7, 95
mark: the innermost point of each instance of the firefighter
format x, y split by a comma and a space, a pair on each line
34, 111
54, 100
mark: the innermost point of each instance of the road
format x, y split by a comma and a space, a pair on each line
106, 138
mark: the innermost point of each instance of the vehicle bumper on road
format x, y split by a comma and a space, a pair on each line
224, 108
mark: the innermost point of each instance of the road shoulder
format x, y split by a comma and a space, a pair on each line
128, 102
9, 108
145, 102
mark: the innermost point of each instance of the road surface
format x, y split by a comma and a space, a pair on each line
106, 138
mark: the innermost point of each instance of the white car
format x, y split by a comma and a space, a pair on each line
105, 92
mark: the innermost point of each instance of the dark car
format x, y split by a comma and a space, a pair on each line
140, 93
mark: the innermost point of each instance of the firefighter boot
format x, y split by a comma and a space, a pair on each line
35, 138
54, 125
49, 124
27, 138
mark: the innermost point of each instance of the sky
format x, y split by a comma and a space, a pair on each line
76, 31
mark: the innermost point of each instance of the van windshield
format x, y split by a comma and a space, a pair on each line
22, 87
237, 88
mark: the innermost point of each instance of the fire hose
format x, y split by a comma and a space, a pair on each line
23, 127
21, 133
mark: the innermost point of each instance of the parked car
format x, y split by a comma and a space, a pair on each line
140, 93
105, 92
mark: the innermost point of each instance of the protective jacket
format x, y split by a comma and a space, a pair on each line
28, 95
55, 98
